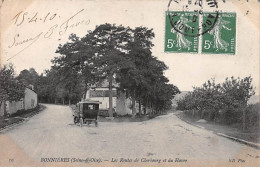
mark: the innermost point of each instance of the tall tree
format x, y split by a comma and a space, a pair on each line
44, 89
75, 65
29, 77
110, 47
132, 78
115, 52
97, 56
10, 88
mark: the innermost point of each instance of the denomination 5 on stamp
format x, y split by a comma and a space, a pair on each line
221, 39
181, 31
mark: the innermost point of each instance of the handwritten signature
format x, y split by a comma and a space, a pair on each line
59, 29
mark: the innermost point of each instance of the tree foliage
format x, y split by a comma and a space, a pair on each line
114, 53
10, 88
29, 77
225, 98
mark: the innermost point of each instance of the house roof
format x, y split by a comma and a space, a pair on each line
30, 89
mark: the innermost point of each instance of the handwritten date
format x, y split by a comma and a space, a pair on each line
23, 17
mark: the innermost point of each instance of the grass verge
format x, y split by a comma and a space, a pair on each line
252, 135
20, 116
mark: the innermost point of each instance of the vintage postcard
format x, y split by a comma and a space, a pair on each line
124, 83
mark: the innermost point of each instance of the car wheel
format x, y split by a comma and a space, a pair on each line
76, 120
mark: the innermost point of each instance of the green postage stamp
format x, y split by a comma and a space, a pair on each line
221, 38
183, 29
179, 28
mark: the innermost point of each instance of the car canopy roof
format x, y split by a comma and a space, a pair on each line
90, 102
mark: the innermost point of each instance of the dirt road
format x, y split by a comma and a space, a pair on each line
52, 134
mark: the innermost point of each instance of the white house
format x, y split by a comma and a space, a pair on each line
100, 92
28, 102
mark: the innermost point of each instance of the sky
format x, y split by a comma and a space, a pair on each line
29, 42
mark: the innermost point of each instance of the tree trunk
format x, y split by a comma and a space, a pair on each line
4, 108
1, 104
110, 111
69, 102
145, 105
151, 108
140, 108
1, 107
63, 101
133, 107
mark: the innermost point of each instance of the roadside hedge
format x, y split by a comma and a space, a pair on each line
224, 102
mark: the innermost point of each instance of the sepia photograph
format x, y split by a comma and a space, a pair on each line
129, 83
